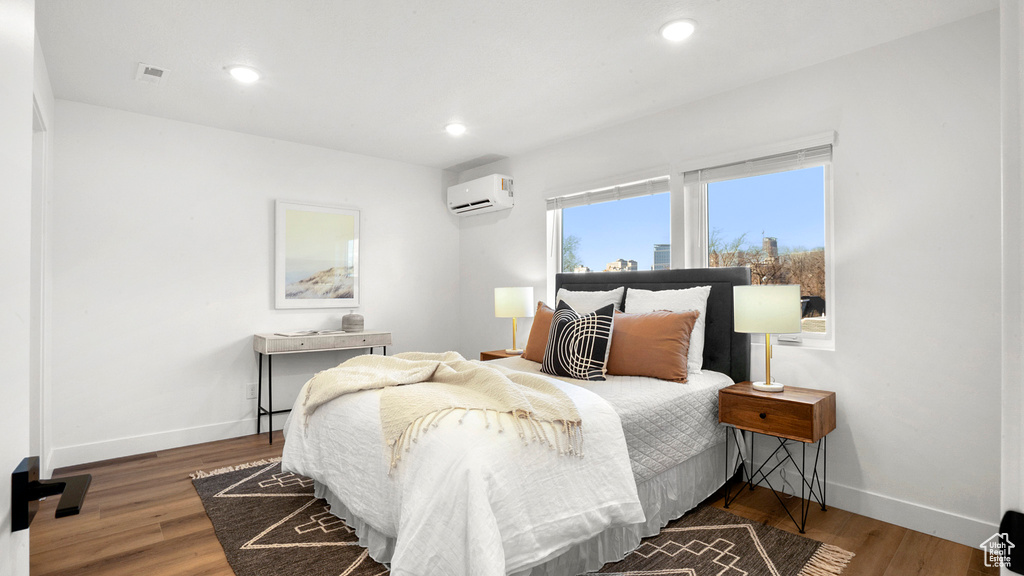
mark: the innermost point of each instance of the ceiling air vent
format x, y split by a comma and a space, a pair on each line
151, 74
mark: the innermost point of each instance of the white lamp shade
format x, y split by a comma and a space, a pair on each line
769, 309
513, 302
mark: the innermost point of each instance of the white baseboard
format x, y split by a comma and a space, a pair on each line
128, 446
964, 530
970, 532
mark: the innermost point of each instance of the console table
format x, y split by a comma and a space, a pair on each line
270, 344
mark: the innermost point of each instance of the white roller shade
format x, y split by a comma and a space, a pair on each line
631, 190
805, 158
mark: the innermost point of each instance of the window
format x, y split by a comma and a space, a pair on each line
613, 229
771, 214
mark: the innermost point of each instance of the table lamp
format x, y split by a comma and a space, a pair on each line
769, 309
513, 303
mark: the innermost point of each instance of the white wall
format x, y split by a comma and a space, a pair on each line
917, 249
17, 38
1012, 83
162, 253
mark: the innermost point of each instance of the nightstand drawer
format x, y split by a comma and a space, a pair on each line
798, 413
776, 418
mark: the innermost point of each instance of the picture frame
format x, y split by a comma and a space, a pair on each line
316, 256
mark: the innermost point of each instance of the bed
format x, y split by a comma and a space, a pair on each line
673, 458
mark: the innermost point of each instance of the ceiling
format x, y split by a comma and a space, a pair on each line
383, 77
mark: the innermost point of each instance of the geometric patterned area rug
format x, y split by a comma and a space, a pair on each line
712, 541
270, 524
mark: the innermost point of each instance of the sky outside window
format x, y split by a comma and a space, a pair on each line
626, 229
788, 206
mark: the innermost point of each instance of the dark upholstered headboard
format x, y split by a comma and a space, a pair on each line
725, 351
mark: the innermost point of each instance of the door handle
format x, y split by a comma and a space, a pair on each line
27, 489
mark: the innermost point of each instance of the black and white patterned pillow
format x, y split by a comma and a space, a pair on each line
578, 345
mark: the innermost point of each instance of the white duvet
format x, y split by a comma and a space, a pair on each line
466, 499
665, 423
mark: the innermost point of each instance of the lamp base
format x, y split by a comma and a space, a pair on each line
513, 351
768, 386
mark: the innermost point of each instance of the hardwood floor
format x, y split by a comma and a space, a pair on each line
881, 549
143, 517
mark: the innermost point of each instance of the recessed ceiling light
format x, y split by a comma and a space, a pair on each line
244, 74
455, 129
678, 30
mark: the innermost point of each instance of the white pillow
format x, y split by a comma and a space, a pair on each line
641, 301
587, 302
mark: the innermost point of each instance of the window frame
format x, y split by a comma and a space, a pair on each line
688, 219
697, 229
607, 190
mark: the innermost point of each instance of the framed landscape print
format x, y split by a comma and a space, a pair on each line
317, 257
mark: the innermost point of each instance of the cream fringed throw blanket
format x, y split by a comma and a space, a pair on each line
536, 409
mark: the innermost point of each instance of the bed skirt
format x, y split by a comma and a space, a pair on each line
664, 498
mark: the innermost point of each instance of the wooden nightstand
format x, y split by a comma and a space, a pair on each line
495, 354
804, 415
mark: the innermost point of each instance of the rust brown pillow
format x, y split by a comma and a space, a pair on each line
652, 344
538, 339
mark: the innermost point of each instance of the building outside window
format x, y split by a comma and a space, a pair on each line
662, 257
621, 265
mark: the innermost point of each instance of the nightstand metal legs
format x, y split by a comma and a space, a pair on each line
812, 488
737, 460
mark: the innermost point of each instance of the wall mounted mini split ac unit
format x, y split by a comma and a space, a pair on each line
486, 194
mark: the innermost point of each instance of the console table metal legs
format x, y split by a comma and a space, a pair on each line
269, 411
810, 488
260, 410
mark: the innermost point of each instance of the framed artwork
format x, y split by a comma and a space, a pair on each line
317, 256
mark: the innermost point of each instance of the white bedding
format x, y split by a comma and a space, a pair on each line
468, 498
664, 423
